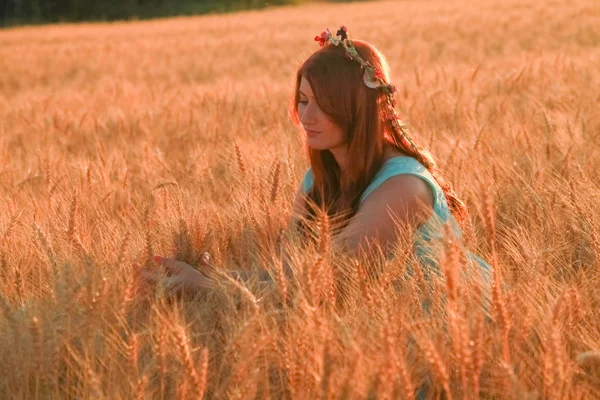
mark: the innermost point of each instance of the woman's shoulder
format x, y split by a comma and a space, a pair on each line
403, 173
401, 187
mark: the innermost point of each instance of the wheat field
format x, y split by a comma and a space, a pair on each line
120, 141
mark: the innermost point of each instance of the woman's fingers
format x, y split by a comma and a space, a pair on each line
171, 264
181, 277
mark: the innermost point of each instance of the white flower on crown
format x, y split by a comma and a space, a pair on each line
369, 80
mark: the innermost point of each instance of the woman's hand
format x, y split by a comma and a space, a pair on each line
181, 278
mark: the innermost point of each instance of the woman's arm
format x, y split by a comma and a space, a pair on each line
298, 210
187, 278
403, 199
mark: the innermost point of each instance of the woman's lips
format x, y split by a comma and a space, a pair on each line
311, 133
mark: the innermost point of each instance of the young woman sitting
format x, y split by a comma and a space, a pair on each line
364, 169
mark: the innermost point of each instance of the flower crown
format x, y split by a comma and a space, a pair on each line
373, 78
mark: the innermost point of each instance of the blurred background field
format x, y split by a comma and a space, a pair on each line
18, 12
123, 140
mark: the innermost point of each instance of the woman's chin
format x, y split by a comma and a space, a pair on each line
315, 144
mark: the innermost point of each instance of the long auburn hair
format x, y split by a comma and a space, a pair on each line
337, 83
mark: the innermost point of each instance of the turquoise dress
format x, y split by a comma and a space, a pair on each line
428, 237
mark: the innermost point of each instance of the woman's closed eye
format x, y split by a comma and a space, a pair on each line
303, 101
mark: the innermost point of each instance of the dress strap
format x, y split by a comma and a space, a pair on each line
308, 180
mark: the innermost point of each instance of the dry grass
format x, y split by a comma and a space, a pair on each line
120, 141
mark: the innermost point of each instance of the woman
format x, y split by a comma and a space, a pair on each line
364, 166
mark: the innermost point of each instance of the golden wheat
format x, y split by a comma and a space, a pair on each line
125, 140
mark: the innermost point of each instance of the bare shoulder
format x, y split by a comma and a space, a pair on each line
406, 199
405, 195
404, 186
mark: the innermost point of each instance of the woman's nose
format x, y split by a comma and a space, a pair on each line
308, 115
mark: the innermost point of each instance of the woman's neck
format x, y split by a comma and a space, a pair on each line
341, 156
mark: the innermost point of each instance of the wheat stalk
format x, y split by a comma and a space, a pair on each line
161, 354
240, 160
10, 227
133, 353
434, 359
46, 245
140, 389
72, 231
275, 181
183, 345
498, 300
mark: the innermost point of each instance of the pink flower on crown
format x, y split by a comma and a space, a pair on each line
323, 38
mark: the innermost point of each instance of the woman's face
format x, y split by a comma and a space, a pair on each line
321, 132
